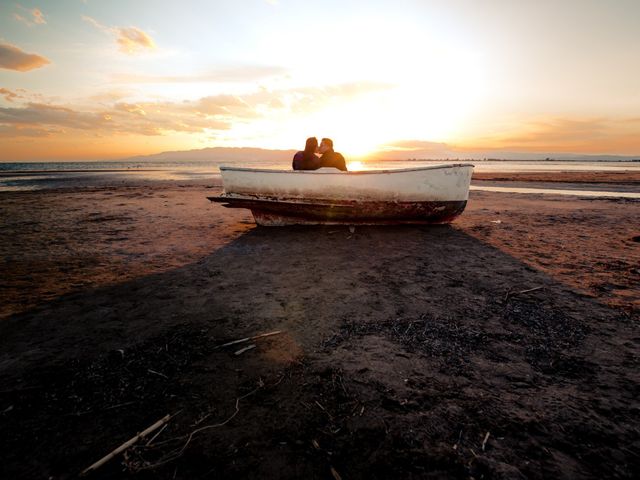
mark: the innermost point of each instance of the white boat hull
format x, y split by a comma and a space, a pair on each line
434, 194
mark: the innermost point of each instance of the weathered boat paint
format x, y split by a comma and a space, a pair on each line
279, 213
433, 194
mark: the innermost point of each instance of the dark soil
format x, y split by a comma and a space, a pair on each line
418, 352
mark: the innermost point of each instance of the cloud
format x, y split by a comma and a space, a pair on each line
416, 145
151, 118
43, 114
219, 104
559, 130
12, 58
304, 100
242, 73
131, 40
30, 115
12, 131
9, 95
95, 23
595, 135
402, 149
20, 18
37, 17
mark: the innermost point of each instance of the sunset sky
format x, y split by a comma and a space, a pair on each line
109, 79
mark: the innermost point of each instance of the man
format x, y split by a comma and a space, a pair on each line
330, 158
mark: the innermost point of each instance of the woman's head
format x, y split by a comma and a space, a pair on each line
311, 145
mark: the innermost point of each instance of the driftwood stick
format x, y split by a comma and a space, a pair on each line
512, 294
242, 350
528, 290
157, 373
335, 474
156, 435
484, 442
247, 339
126, 445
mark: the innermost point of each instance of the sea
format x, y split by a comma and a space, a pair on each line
30, 176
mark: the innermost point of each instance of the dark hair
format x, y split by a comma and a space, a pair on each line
311, 145
328, 141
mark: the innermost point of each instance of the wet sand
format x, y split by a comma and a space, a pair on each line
503, 346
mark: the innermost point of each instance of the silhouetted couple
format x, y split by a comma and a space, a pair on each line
308, 160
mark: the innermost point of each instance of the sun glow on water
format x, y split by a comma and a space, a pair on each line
355, 166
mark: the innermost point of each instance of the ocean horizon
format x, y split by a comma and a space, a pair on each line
28, 176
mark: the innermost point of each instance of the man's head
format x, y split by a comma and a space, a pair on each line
325, 145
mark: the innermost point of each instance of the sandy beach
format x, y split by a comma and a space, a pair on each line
505, 345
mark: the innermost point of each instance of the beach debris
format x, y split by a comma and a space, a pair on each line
132, 441
157, 373
156, 435
484, 442
455, 445
496, 221
324, 410
242, 350
175, 454
248, 339
335, 474
352, 229
529, 290
510, 293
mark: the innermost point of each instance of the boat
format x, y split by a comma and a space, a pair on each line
420, 195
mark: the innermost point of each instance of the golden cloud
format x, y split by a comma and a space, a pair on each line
12, 58
9, 95
153, 118
219, 104
30, 115
130, 40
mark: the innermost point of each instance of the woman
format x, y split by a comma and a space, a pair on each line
307, 159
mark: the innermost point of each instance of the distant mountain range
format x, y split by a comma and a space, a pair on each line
243, 154
219, 154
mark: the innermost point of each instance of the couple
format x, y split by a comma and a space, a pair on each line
308, 160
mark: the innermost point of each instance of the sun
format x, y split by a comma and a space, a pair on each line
355, 165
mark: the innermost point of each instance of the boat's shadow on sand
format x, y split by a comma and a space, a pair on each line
402, 348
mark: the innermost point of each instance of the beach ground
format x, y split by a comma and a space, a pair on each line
505, 345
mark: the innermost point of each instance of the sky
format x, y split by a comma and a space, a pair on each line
90, 79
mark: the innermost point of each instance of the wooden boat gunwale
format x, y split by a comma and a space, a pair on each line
335, 171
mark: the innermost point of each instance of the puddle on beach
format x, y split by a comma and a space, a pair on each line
26, 181
553, 191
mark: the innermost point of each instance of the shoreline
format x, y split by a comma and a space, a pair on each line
628, 181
